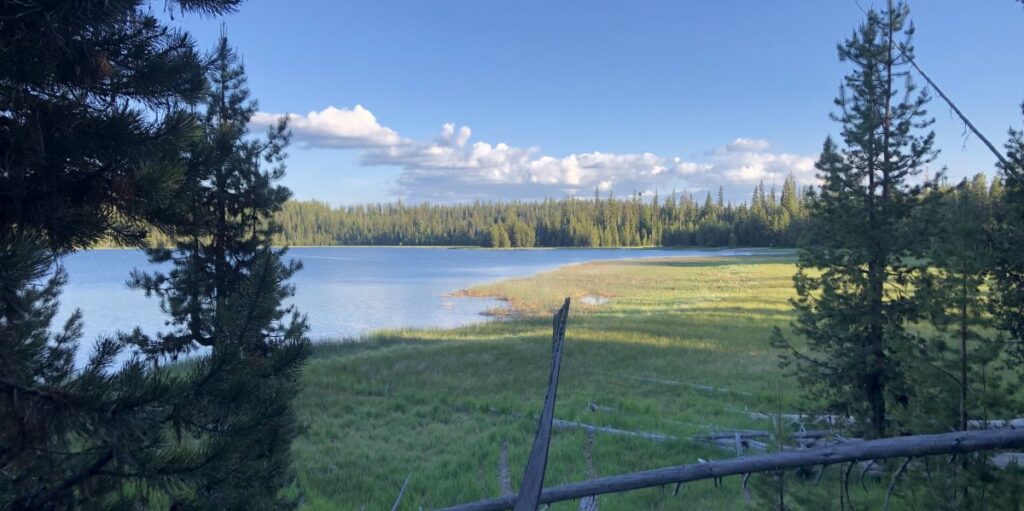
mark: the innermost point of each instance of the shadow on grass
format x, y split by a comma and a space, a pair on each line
710, 262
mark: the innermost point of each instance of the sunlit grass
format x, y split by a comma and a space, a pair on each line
438, 403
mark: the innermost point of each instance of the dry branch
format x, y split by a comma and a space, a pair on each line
967, 122
504, 476
899, 447
398, 500
589, 503
590, 428
536, 466
594, 407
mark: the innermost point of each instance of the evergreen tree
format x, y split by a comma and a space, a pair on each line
95, 98
224, 292
790, 199
1008, 269
953, 295
853, 301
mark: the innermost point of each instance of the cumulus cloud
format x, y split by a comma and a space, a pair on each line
340, 128
746, 160
451, 167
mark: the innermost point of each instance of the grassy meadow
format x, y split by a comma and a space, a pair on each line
437, 404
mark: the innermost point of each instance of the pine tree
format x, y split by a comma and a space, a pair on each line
1008, 270
95, 98
854, 268
224, 292
956, 303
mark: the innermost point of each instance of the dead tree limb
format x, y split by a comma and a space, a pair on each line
892, 484
536, 466
898, 447
846, 484
970, 125
698, 386
590, 428
504, 476
401, 492
589, 503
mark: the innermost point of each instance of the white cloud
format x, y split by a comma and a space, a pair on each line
340, 128
742, 145
451, 167
748, 161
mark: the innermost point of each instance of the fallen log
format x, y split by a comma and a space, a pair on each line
996, 424
590, 428
959, 442
594, 407
504, 476
1006, 459
830, 420
698, 386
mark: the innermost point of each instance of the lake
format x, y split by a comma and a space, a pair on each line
345, 291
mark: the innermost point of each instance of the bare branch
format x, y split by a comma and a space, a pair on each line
892, 484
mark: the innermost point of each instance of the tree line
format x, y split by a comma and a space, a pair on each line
771, 218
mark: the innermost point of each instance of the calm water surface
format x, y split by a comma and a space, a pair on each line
345, 291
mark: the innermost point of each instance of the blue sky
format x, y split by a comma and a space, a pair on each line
554, 98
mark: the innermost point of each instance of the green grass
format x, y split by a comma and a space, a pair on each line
438, 403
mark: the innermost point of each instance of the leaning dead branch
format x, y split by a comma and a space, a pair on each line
536, 465
967, 122
908, 446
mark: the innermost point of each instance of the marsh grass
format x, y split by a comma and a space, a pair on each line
439, 403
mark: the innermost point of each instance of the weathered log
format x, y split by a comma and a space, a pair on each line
730, 433
698, 386
590, 428
589, 503
594, 407
1006, 459
921, 445
831, 420
536, 466
504, 476
1017, 423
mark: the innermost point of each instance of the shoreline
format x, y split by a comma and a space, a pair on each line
508, 311
508, 249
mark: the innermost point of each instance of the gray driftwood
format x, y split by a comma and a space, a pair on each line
899, 447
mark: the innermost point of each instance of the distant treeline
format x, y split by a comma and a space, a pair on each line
770, 219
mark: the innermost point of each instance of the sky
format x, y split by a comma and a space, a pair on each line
456, 100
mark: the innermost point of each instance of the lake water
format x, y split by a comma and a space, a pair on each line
345, 291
